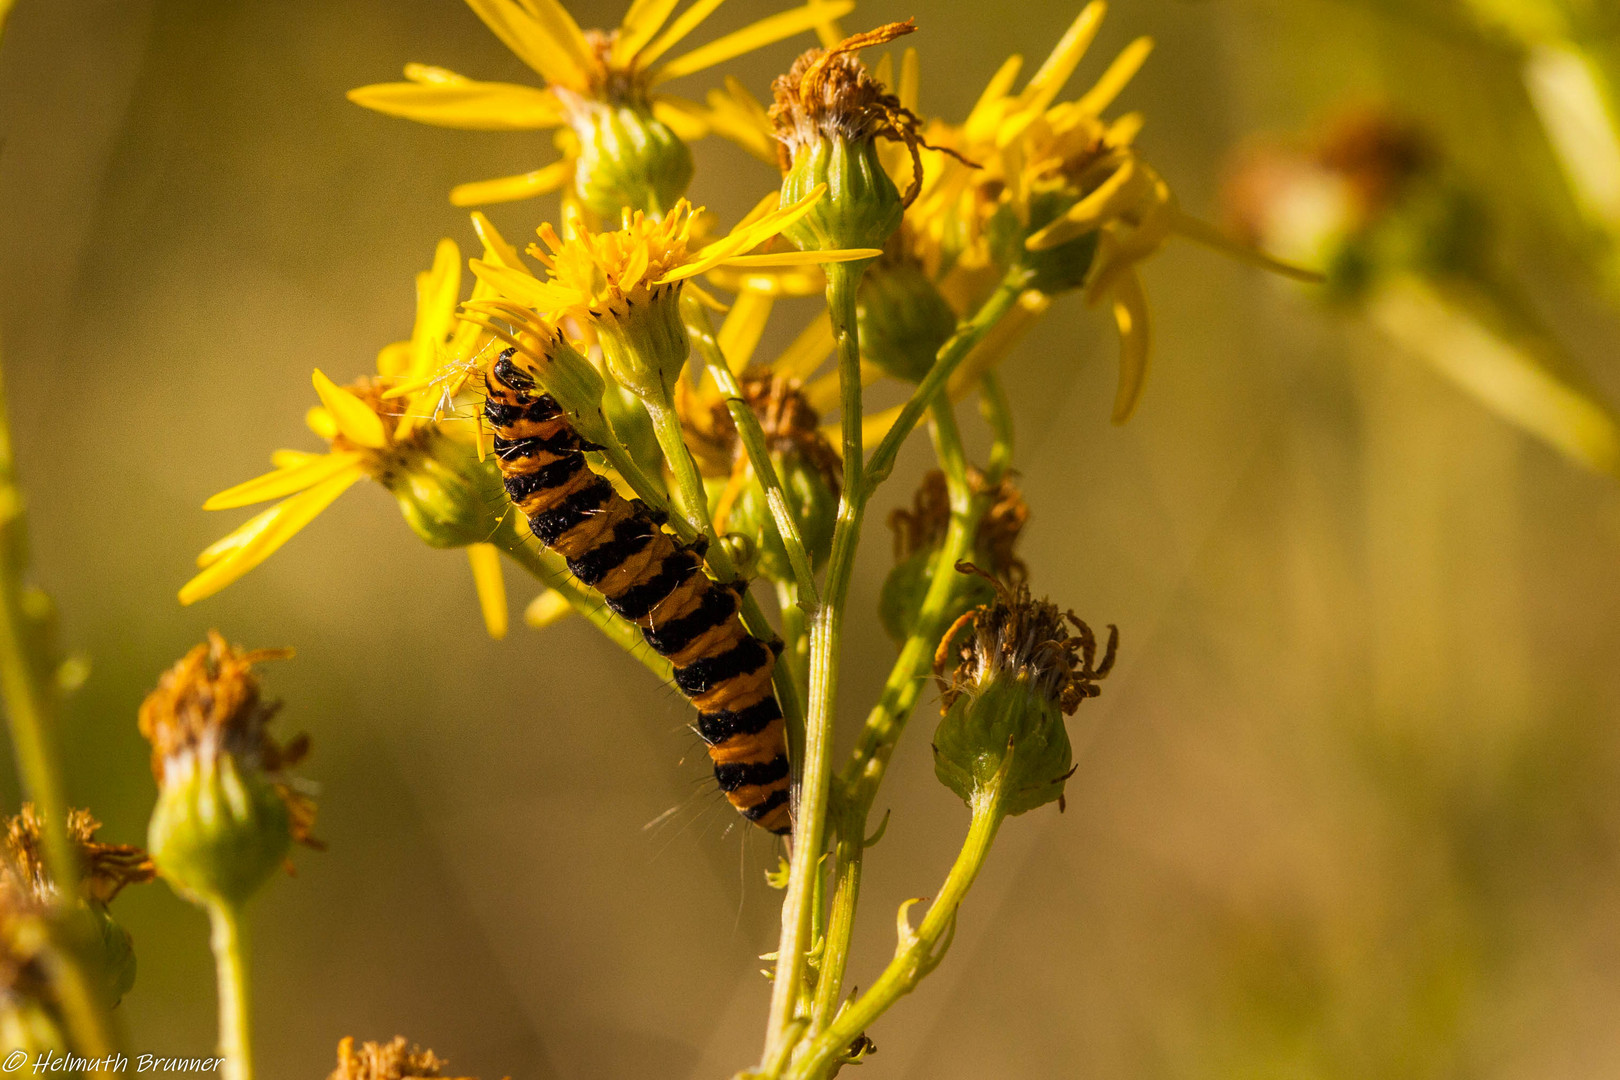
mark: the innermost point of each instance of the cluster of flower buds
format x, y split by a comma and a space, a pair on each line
1024, 666
396, 1059
227, 811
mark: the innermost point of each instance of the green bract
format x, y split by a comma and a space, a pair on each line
449, 497
862, 207
1008, 732
218, 832
904, 321
627, 158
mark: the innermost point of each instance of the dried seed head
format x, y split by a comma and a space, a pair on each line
395, 1060
227, 810
107, 867
1024, 666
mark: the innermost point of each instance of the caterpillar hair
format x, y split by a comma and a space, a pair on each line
615, 546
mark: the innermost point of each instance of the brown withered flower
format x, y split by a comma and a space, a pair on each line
923, 526
395, 1060
107, 868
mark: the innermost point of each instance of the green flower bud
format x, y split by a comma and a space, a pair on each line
828, 114
633, 428
645, 343
627, 158
918, 535
1052, 270
1019, 674
449, 498
904, 321
226, 814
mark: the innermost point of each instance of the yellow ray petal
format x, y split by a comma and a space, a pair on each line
286, 459
689, 20
394, 359
549, 607
486, 568
496, 249
272, 529
242, 534
283, 482
476, 106
687, 119
524, 288
637, 28
353, 417
512, 188
804, 258
813, 345
1044, 85
1123, 132
1135, 343
739, 334
737, 115
827, 30
773, 28
1114, 194
542, 35
321, 423
748, 234
883, 71
1118, 75
437, 292
987, 109
910, 79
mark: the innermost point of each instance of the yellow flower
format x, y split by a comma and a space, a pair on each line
626, 283
422, 460
583, 70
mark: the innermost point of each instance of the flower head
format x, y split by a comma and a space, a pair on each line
1024, 666
227, 807
107, 868
394, 1060
625, 134
386, 428
625, 284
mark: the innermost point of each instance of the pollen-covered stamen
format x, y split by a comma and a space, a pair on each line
1021, 638
107, 868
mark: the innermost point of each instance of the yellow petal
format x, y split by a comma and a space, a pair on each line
986, 109
549, 607
512, 188
243, 534
283, 482
737, 115
524, 288
496, 249
437, 291
813, 345
773, 28
910, 78
687, 119
827, 29
476, 106
1114, 194
352, 416
1131, 316
270, 530
739, 334
637, 28
1118, 75
286, 459
394, 359
803, 258
747, 234
1044, 85
689, 20
486, 568
321, 423
542, 35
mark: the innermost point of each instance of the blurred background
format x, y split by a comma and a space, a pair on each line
1347, 808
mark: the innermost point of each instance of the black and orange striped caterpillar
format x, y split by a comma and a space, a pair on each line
615, 546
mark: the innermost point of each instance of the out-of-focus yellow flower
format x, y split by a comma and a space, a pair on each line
386, 428
597, 82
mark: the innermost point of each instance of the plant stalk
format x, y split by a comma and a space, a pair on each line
231, 967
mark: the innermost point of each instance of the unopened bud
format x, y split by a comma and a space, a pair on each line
627, 157
904, 321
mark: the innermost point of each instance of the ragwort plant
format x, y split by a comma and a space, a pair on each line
578, 412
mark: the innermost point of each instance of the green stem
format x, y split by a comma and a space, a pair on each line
951, 354
815, 772
997, 413
231, 967
552, 570
919, 951
753, 440
858, 785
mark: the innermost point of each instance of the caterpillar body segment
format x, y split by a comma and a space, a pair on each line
615, 546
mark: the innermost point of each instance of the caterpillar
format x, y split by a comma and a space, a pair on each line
615, 546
